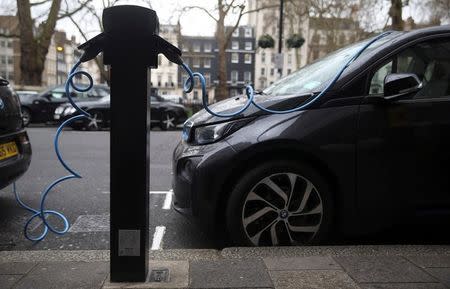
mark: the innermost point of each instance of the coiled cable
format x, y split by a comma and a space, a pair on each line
42, 213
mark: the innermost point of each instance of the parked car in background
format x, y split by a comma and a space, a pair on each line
15, 148
41, 107
371, 153
165, 114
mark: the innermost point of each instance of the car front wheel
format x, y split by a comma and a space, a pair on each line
168, 121
280, 203
26, 116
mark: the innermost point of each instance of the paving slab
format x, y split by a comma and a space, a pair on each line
8, 281
442, 274
402, 286
301, 263
178, 277
244, 273
311, 279
16, 268
379, 269
430, 261
65, 275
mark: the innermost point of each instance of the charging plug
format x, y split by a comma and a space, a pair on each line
170, 51
93, 47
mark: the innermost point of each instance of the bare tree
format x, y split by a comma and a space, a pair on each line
34, 43
224, 9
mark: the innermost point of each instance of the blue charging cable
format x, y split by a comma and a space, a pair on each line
189, 85
41, 212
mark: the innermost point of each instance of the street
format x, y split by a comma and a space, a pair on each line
85, 201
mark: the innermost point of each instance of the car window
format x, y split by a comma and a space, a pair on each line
153, 99
429, 60
58, 93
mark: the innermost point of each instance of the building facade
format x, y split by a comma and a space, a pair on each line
321, 35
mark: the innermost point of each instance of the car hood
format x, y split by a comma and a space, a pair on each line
233, 104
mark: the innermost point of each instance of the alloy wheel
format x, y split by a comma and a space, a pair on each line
26, 117
282, 209
168, 121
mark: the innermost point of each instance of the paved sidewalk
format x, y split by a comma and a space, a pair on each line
365, 267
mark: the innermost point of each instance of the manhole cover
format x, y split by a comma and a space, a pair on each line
159, 275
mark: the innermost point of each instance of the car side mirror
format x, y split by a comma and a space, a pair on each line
397, 85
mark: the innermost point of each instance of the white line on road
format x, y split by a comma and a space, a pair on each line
168, 201
158, 237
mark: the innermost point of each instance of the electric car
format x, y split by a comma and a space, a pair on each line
15, 148
41, 107
165, 114
370, 153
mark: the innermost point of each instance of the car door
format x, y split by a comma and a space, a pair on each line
403, 147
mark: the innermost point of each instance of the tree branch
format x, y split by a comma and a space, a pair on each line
202, 9
79, 8
39, 3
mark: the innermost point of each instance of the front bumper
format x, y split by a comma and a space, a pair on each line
199, 175
12, 168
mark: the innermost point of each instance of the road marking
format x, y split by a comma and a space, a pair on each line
158, 237
160, 192
167, 201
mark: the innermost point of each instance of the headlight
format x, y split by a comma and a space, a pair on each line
211, 133
69, 110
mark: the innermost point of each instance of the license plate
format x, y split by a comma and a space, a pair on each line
8, 150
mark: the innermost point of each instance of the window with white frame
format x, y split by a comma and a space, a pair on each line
207, 47
247, 58
234, 57
289, 58
263, 71
248, 45
236, 32
263, 57
196, 47
248, 32
196, 62
247, 76
234, 76
207, 63
234, 45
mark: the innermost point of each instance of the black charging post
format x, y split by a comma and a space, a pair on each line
130, 52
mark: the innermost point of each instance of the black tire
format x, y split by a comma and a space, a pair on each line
96, 122
250, 182
26, 116
168, 121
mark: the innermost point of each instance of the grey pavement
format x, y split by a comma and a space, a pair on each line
365, 267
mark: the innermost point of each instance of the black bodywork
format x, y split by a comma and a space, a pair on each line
41, 107
12, 131
159, 108
387, 161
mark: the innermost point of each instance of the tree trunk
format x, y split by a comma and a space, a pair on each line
395, 12
33, 48
222, 88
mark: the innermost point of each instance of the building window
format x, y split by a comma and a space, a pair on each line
236, 32
207, 63
170, 80
10, 43
248, 46
234, 76
196, 47
159, 80
207, 47
3, 59
234, 45
272, 71
272, 57
10, 60
195, 95
159, 59
185, 48
207, 79
289, 71
263, 57
234, 58
289, 58
263, 71
248, 32
247, 58
247, 76
196, 62
2, 43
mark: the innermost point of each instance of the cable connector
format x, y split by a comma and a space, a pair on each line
170, 51
93, 47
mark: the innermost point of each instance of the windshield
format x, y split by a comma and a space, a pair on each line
314, 76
